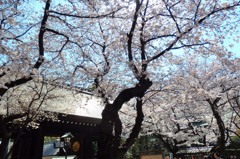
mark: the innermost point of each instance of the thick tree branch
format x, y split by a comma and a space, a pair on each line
41, 35
130, 40
213, 105
40, 58
136, 128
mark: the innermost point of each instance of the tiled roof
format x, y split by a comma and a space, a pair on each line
192, 150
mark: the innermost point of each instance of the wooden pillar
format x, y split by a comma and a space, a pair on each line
37, 144
88, 143
29, 145
16, 145
24, 147
87, 147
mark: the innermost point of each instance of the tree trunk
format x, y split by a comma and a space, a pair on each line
221, 139
109, 144
5, 139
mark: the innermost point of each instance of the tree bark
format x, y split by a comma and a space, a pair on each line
109, 145
221, 140
135, 131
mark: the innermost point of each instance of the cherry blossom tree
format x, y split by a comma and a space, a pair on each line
215, 88
233, 99
23, 108
146, 56
119, 50
200, 90
21, 55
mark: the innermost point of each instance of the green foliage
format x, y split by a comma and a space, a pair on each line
145, 145
49, 138
235, 139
